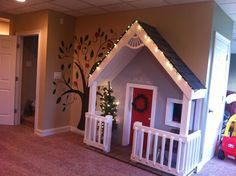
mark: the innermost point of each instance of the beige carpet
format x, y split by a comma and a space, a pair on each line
216, 167
24, 154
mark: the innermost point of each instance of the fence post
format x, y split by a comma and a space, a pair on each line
135, 148
86, 127
108, 121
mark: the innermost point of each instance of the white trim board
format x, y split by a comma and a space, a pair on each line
52, 131
169, 112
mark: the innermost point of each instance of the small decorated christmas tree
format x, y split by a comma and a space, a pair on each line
108, 104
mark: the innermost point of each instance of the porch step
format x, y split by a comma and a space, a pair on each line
123, 153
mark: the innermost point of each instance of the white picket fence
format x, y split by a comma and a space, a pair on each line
169, 152
98, 130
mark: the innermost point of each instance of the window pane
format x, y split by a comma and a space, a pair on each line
177, 112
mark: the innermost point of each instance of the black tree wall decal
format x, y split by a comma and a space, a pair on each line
89, 52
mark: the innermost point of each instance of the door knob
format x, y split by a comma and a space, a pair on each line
210, 111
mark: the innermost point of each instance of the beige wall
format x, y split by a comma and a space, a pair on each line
54, 117
187, 28
4, 28
11, 21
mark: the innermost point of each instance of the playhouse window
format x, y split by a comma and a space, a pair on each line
173, 112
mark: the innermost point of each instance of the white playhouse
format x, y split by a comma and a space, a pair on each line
160, 102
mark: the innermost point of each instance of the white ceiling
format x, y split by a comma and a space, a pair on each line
91, 7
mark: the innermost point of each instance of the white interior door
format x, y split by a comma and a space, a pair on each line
217, 91
7, 78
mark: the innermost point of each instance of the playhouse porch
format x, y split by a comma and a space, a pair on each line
162, 150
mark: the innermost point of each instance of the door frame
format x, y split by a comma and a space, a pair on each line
128, 109
20, 36
217, 36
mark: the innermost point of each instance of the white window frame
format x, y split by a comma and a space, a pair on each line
169, 112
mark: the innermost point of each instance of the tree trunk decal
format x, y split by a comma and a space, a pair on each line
88, 53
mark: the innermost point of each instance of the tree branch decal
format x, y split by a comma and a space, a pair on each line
88, 53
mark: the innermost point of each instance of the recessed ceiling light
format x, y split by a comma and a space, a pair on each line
20, 0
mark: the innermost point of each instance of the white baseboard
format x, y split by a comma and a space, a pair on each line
53, 131
201, 164
76, 130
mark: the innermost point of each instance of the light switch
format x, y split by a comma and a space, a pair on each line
57, 75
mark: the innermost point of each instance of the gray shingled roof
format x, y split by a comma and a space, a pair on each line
171, 55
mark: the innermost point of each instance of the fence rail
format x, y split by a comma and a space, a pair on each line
169, 152
98, 130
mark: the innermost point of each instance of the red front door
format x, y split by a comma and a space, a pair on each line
141, 108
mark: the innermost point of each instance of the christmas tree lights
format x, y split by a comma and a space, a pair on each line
108, 104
